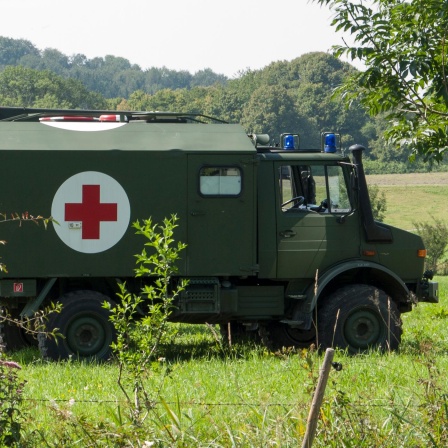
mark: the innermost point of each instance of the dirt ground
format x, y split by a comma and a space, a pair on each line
408, 179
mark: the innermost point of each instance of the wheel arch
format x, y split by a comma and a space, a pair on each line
368, 273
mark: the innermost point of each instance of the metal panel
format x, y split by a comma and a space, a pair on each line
18, 288
221, 230
255, 301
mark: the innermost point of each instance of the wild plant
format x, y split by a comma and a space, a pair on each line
139, 337
11, 398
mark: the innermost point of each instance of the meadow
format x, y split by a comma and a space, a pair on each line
413, 197
203, 393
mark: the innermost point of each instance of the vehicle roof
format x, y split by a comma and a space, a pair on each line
91, 130
20, 129
35, 114
303, 154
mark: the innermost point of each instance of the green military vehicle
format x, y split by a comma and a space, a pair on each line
280, 240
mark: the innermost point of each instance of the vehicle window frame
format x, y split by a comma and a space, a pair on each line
219, 195
287, 166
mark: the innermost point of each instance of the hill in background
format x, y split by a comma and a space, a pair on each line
110, 76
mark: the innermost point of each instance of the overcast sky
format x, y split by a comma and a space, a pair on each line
227, 36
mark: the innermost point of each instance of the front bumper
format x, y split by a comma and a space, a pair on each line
428, 292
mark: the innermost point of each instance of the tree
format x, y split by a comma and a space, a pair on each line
25, 87
12, 51
403, 47
207, 77
55, 61
270, 110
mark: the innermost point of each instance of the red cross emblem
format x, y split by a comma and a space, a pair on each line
91, 212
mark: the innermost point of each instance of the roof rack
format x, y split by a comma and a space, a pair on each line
34, 114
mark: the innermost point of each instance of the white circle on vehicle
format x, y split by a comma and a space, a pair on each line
83, 127
92, 212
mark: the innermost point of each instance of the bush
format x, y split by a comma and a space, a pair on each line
139, 339
435, 237
11, 417
378, 202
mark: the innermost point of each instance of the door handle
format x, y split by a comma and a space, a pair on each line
197, 213
287, 233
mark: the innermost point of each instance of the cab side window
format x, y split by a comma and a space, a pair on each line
220, 181
316, 188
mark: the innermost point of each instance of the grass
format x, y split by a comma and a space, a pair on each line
405, 206
207, 395
410, 203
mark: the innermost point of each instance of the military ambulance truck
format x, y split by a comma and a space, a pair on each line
280, 239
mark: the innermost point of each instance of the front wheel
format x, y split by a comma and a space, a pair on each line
359, 318
84, 325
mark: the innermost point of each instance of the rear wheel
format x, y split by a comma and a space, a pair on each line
359, 318
85, 327
15, 337
277, 335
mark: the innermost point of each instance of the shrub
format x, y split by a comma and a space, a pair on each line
139, 337
378, 202
11, 417
435, 237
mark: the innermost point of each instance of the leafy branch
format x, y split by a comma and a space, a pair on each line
20, 219
25, 217
403, 48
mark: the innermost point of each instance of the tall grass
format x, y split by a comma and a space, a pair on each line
206, 394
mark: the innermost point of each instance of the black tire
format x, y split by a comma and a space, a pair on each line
15, 337
239, 334
277, 335
85, 327
358, 318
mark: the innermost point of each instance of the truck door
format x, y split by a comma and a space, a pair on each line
316, 223
221, 215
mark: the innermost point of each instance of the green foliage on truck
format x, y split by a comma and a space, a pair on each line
279, 239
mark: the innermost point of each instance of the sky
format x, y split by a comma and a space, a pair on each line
227, 36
